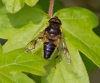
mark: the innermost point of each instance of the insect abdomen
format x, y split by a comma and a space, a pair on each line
49, 48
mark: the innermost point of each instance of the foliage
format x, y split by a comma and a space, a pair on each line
23, 26
15, 5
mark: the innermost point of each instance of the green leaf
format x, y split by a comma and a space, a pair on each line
22, 27
36, 78
0, 50
21, 78
2, 8
78, 24
17, 61
31, 2
14, 77
74, 72
90, 66
15, 5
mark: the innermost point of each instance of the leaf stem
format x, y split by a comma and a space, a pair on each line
50, 12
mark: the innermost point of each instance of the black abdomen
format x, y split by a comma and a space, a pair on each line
49, 48
51, 32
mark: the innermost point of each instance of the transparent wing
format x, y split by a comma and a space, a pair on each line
32, 44
63, 50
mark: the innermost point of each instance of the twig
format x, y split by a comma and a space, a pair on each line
51, 8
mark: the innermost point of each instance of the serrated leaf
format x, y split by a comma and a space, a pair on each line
22, 27
74, 72
15, 5
18, 61
78, 24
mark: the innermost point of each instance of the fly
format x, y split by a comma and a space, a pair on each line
51, 36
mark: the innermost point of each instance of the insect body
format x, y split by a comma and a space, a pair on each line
51, 36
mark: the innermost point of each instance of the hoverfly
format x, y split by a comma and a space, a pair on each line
51, 36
